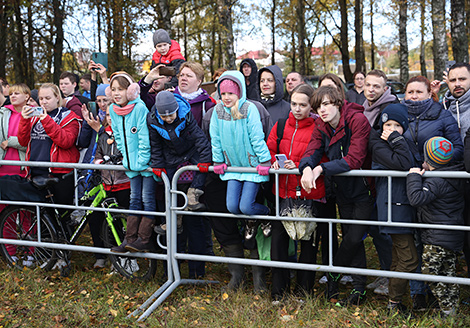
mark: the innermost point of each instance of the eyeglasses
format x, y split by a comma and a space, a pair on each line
359, 79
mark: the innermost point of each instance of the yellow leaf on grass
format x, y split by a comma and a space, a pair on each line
110, 301
287, 317
83, 292
113, 312
224, 296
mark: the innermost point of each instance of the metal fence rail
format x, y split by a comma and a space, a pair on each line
172, 210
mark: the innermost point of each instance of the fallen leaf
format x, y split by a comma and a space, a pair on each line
113, 312
224, 296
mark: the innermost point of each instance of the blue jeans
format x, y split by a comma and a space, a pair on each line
241, 198
143, 194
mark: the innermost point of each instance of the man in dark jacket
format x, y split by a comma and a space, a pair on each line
439, 201
378, 96
250, 71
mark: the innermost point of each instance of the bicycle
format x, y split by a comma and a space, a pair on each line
21, 223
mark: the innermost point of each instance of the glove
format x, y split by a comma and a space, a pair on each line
158, 172
263, 170
203, 167
220, 169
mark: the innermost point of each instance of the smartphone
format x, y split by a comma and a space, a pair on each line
36, 111
280, 158
449, 64
92, 108
167, 71
100, 58
167, 86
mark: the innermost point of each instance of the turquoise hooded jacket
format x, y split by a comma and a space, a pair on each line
238, 142
132, 138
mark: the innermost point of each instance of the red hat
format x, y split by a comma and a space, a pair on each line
229, 86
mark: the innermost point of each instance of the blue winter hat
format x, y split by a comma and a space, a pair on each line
396, 112
100, 91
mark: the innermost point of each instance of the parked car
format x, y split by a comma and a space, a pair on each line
397, 89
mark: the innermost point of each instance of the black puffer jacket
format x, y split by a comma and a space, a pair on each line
252, 91
439, 201
277, 107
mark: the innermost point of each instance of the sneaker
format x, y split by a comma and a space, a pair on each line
323, 280
346, 279
377, 282
160, 229
332, 290
382, 289
250, 229
29, 262
432, 302
14, 259
356, 298
267, 228
99, 264
399, 308
419, 302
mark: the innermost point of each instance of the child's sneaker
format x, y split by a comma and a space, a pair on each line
323, 280
28, 262
160, 229
193, 200
267, 228
250, 229
346, 280
356, 298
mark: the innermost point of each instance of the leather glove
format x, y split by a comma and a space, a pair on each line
203, 167
158, 172
220, 169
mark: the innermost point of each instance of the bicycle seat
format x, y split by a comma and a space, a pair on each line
41, 182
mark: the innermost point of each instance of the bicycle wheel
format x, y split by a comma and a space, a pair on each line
21, 223
129, 267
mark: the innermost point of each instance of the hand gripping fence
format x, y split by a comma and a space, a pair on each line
172, 210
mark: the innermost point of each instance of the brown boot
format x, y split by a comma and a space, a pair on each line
133, 223
143, 243
193, 200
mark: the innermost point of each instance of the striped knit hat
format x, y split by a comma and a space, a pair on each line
438, 151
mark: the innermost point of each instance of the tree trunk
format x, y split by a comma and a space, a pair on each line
30, 58
185, 32
59, 12
164, 6
440, 51
344, 41
19, 58
403, 40
4, 20
225, 23
458, 32
372, 44
302, 35
358, 21
294, 50
422, 47
273, 32
98, 24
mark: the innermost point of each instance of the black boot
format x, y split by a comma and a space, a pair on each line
133, 223
143, 243
236, 270
259, 274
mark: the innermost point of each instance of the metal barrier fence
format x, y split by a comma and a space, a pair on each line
172, 210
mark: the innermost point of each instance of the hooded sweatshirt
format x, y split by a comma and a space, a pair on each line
277, 107
372, 112
460, 109
252, 88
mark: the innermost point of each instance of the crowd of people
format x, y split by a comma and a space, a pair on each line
166, 120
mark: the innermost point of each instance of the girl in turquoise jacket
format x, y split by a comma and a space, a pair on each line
129, 123
238, 140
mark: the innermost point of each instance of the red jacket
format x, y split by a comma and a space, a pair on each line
63, 135
296, 136
173, 54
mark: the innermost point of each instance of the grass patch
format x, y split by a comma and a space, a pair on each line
90, 298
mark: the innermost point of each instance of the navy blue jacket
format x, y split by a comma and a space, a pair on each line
175, 143
439, 201
393, 154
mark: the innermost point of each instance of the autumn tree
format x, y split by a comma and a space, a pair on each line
458, 31
440, 52
403, 40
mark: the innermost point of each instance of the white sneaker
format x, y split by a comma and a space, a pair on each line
29, 262
100, 264
346, 279
323, 280
130, 266
14, 259
377, 282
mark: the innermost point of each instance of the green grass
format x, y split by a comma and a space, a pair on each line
89, 298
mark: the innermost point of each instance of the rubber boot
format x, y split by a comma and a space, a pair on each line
259, 274
143, 242
333, 287
236, 270
133, 223
193, 199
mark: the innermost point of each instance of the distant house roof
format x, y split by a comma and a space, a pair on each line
387, 53
318, 51
258, 54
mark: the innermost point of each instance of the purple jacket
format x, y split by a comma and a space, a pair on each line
147, 98
199, 105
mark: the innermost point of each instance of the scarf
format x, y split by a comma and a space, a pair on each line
267, 97
416, 108
123, 111
372, 111
193, 95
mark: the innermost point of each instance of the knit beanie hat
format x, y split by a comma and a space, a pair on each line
35, 95
438, 151
396, 112
229, 86
165, 103
161, 36
100, 91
